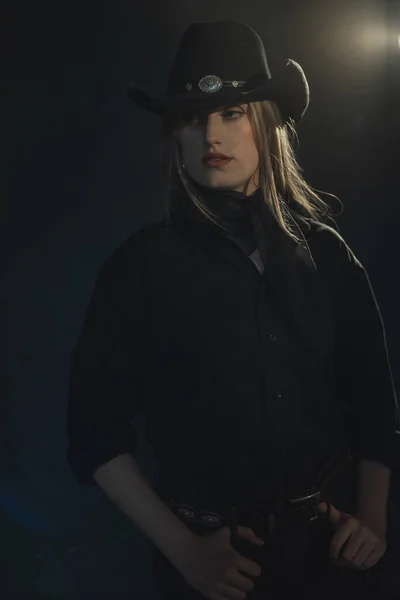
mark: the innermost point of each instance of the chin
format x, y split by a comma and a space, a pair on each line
217, 185
216, 180
219, 181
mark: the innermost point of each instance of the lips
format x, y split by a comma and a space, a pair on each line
216, 162
215, 155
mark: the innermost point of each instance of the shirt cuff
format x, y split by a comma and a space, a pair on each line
98, 451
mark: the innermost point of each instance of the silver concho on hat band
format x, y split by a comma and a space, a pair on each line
210, 84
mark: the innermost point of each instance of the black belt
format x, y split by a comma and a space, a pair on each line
303, 507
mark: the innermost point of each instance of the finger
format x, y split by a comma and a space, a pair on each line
354, 545
334, 515
322, 506
340, 538
363, 554
372, 559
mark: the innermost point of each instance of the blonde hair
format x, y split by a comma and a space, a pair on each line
280, 175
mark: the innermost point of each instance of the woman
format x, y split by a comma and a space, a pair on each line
248, 333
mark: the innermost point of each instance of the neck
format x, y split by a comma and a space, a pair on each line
224, 191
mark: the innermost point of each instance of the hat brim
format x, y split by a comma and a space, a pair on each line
289, 89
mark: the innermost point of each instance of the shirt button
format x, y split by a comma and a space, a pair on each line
279, 393
272, 338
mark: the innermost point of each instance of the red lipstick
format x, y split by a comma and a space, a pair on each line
215, 159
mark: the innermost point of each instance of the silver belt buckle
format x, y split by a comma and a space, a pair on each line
316, 495
190, 515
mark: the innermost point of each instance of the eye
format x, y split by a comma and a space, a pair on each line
193, 119
237, 114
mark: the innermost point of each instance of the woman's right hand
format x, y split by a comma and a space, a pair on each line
215, 569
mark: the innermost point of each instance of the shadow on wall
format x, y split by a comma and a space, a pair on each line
107, 556
110, 559
44, 295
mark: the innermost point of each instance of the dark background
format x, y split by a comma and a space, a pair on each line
81, 174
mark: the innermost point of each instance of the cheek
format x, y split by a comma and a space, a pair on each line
252, 145
249, 154
253, 155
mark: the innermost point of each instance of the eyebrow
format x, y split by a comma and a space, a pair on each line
231, 107
237, 106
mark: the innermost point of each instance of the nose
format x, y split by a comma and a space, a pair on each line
212, 129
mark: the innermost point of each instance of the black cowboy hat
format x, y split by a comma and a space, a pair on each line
224, 63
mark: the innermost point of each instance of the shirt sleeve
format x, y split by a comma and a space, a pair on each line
363, 371
107, 369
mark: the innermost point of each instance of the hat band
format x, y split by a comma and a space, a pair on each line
212, 83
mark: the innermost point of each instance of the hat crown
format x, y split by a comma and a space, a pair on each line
225, 49
223, 63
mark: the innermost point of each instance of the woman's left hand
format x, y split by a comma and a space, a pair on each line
363, 547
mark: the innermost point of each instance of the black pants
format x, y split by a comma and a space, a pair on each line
295, 563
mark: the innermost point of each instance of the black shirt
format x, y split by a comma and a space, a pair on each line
182, 326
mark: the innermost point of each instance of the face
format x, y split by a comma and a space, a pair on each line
228, 131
